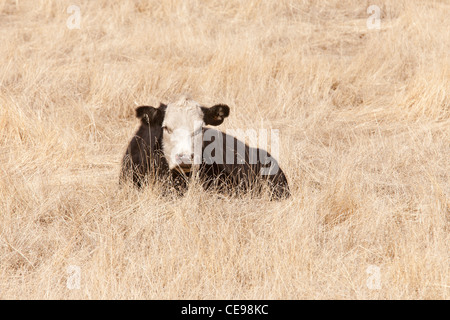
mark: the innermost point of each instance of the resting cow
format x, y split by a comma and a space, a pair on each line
172, 145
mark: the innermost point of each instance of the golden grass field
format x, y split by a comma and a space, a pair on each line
364, 120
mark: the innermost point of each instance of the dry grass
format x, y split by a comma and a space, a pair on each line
364, 118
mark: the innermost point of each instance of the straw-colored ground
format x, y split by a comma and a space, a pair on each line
364, 120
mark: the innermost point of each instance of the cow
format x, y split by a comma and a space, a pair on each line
172, 145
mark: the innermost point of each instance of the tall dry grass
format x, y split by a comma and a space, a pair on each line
364, 120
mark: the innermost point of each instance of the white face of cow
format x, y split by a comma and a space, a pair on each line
182, 131
183, 122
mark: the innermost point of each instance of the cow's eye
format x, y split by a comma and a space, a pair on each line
198, 131
169, 131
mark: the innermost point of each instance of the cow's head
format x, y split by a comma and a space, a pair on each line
182, 124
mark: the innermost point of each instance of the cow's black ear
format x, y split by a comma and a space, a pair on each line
216, 114
151, 115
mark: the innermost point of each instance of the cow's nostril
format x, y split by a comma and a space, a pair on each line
184, 158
